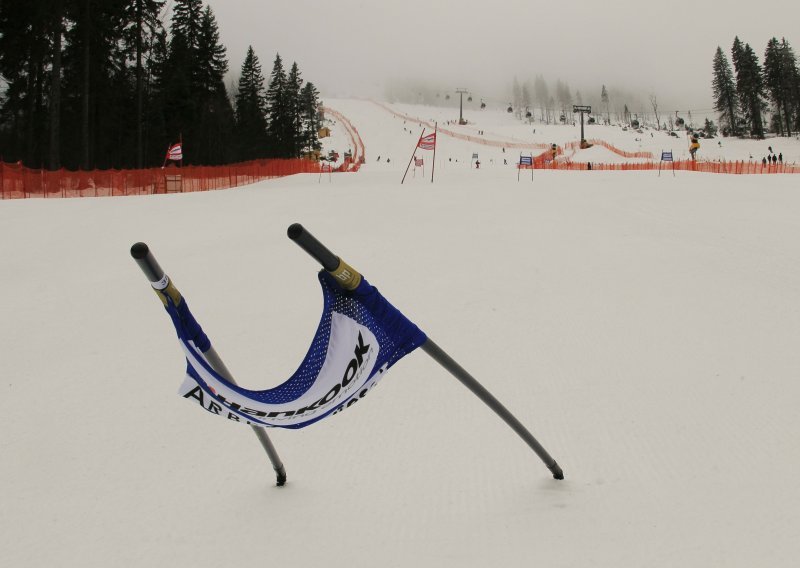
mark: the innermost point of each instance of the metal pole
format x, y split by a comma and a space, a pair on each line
461, 106
435, 142
336, 267
412, 156
480, 391
582, 136
160, 281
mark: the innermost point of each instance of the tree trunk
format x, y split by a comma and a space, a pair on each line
30, 119
732, 117
87, 14
55, 90
139, 83
788, 116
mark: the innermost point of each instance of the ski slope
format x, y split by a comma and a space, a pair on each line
645, 329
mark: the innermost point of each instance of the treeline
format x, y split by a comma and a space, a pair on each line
104, 84
752, 97
548, 102
554, 102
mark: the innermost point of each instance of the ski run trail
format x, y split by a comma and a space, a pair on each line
644, 328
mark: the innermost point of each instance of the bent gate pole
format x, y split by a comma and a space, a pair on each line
160, 281
411, 159
333, 264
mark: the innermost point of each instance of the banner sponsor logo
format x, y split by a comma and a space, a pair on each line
343, 379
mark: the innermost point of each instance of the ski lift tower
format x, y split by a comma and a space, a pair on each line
461, 106
583, 109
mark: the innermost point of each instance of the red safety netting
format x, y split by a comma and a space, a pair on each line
358, 157
18, 182
643, 155
544, 161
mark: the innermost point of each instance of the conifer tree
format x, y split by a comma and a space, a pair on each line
724, 88
278, 117
186, 22
24, 50
156, 136
516, 94
564, 97
604, 100
251, 116
101, 84
294, 84
181, 75
526, 94
141, 25
309, 105
749, 86
542, 95
780, 80
215, 111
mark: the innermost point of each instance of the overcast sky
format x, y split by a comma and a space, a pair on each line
356, 47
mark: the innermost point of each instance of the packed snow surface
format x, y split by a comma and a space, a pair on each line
644, 328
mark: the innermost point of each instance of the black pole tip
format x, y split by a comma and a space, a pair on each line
294, 231
558, 473
281, 479
139, 251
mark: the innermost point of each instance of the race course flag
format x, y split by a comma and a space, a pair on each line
525, 162
175, 152
418, 162
427, 142
410, 336
360, 336
666, 157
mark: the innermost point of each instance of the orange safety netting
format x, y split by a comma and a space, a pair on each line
644, 155
17, 181
359, 154
741, 167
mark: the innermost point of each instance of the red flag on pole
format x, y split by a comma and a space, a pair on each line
175, 152
418, 162
427, 142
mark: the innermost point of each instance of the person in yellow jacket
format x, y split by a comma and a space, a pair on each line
694, 146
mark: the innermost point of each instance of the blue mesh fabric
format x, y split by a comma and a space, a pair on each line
395, 333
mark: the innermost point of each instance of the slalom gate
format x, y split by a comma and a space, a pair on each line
19, 182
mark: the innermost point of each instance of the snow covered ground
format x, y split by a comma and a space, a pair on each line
645, 329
